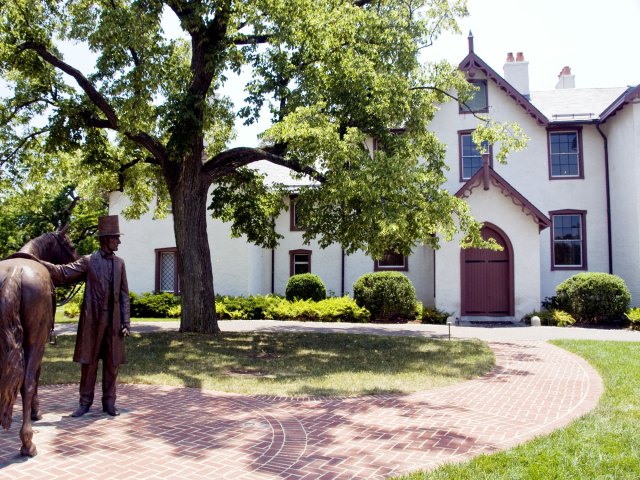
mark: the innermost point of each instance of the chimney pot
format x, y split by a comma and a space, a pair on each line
565, 71
517, 73
566, 79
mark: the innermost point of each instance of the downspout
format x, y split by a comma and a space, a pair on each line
273, 270
273, 261
342, 273
608, 192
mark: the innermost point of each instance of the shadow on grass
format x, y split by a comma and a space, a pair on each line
288, 364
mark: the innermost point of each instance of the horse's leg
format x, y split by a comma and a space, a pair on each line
33, 358
35, 401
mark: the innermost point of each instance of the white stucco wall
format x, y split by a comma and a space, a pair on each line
240, 268
528, 172
236, 264
623, 133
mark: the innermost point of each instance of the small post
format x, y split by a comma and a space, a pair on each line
450, 321
535, 321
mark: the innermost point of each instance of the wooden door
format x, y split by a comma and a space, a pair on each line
487, 278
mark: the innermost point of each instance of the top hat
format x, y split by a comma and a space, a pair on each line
108, 225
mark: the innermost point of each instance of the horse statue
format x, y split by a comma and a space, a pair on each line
27, 307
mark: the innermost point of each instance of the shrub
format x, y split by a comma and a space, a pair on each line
71, 309
251, 307
152, 305
305, 286
634, 317
562, 319
434, 316
593, 296
337, 309
545, 316
389, 296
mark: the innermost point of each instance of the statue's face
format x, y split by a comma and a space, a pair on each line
111, 243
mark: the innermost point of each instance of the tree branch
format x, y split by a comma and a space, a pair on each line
251, 39
453, 97
229, 161
93, 94
22, 143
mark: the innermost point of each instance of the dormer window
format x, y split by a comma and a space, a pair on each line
479, 103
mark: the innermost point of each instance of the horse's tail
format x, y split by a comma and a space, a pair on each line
11, 353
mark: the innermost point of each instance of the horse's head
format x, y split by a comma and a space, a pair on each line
61, 250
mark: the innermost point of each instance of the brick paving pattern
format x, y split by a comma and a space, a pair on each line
182, 433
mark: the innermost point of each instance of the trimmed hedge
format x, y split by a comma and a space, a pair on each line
389, 296
258, 307
248, 308
337, 309
153, 305
593, 296
305, 286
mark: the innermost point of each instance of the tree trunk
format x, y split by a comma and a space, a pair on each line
189, 201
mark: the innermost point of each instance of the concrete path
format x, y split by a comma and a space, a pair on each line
183, 433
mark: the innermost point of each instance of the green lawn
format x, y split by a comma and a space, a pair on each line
295, 364
604, 444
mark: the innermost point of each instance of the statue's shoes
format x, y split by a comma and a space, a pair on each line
80, 411
111, 410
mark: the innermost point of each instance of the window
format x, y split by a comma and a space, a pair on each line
479, 103
300, 262
391, 261
565, 154
293, 213
470, 156
568, 241
167, 270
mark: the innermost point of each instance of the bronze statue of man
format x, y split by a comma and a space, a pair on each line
104, 316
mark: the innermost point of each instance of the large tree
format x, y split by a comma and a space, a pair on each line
150, 115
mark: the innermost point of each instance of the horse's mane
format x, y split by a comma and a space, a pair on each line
47, 247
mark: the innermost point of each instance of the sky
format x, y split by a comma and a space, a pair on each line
598, 39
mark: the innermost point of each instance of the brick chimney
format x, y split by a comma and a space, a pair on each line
566, 79
516, 72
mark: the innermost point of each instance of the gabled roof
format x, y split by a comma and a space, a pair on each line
575, 104
488, 178
473, 62
632, 94
561, 105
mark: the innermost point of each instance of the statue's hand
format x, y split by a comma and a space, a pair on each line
125, 330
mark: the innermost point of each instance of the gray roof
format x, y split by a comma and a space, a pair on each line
277, 174
575, 104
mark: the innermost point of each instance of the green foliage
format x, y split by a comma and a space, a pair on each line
305, 286
153, 305
389, 296
434, 316
335, 309
71, 309
251, 308
593, 296
633, 315
562, 319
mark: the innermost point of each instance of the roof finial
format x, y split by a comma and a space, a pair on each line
470, 42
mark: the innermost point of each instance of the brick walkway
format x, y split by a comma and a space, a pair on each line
179, 433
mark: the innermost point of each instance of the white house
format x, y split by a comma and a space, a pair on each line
565, 204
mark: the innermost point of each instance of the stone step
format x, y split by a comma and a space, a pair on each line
485, 321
